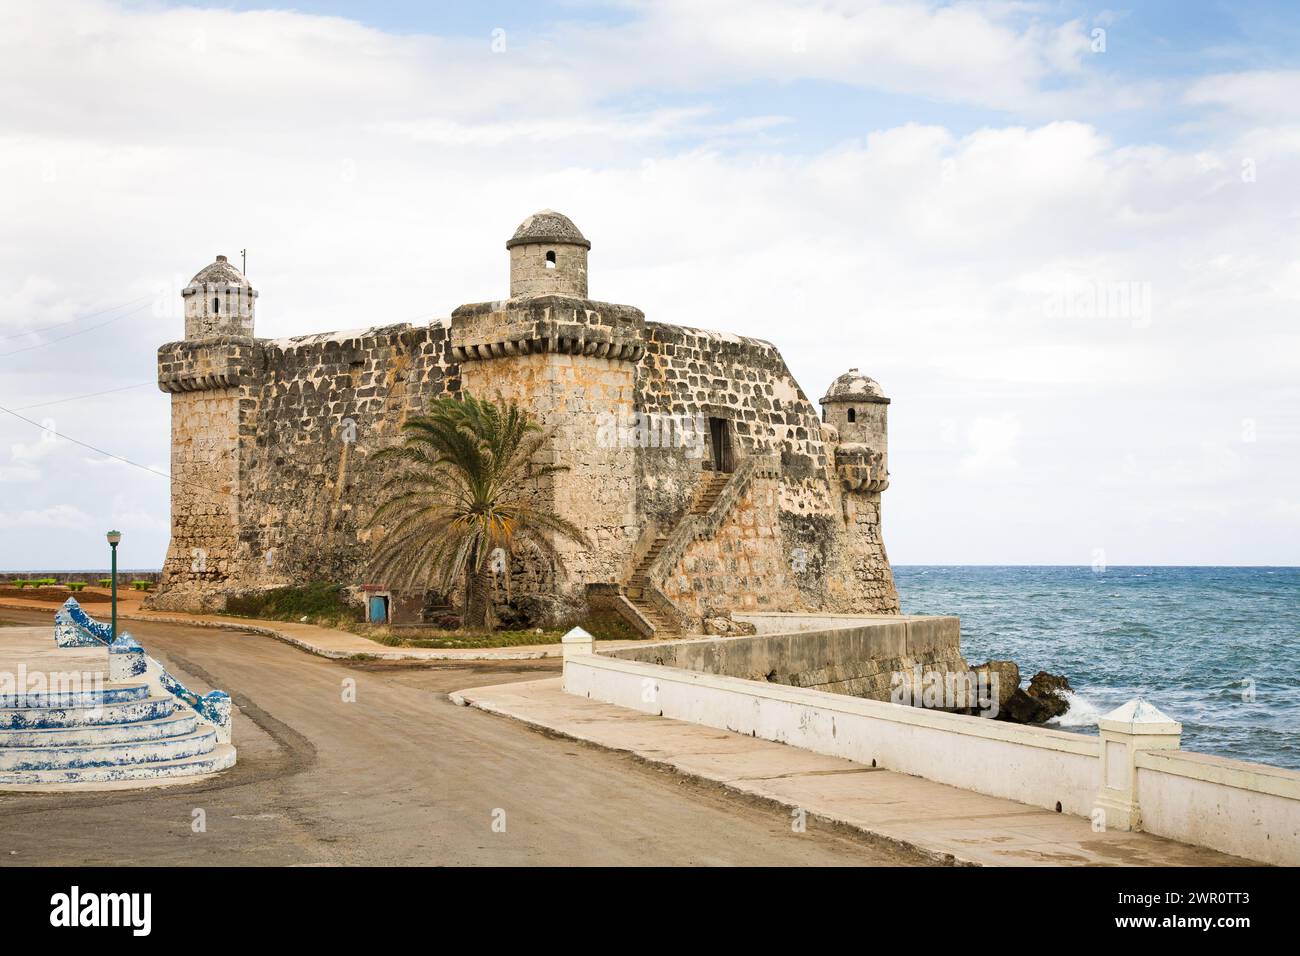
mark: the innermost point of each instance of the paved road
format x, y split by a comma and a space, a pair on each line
400, 775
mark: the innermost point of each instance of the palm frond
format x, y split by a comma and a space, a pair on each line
463, 483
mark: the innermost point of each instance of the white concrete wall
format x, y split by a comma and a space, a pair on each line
1246, 809
1030, 764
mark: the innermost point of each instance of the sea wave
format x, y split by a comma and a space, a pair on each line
1184, 638
1082, 713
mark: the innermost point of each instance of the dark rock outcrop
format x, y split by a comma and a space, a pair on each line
1042, 700
1000, 678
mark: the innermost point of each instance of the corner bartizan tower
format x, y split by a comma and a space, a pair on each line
209, 377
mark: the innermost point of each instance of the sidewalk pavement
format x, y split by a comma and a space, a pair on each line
949, 825
322, 641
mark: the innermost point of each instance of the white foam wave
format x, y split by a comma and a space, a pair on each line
1082, 712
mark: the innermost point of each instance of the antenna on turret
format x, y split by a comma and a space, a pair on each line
243, 257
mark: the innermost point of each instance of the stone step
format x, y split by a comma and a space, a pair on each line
128, 753
124, 712
181, 723
220, 757
106, 693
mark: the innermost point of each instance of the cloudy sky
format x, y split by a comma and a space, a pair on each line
1065, 238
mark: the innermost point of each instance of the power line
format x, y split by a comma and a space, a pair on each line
77, 398
98, 451
135, 464
80, 318
73, 335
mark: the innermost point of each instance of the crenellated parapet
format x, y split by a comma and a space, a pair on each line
223, 362
547, 324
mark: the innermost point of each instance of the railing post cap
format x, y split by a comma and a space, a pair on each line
1139, 716
124, 644
577, 636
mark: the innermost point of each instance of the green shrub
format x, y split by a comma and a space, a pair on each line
142, 585
105, 582
47, 582
318, 601
77, 585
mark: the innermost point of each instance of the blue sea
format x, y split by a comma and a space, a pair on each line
1215, 648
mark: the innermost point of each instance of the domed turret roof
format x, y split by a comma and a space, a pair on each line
220, 272
548, 226
853, 386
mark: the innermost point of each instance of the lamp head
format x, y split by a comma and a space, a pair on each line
114, 537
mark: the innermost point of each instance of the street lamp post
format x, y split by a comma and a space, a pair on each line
113, 538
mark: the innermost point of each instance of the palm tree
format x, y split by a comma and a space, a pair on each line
462, 489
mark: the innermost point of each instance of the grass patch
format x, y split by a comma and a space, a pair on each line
434, 637
611, 628
321, 602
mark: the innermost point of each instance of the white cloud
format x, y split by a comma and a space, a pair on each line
25, 457
52, 518
374, 178
1272, 96
981, 54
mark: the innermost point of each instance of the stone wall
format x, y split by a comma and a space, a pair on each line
858, 658
325, 405
742, 568
801, 542
270, 479
205, 520
691, 375
272, 442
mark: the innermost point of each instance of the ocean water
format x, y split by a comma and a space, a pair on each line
1215, 648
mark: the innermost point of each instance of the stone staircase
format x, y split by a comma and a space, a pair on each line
639, 586
82, 718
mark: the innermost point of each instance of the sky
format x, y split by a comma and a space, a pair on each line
1062, 237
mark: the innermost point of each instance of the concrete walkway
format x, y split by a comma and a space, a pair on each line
322, 641
947, 824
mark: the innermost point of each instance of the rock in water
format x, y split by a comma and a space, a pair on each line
1048, 690
1042, 701
998, 677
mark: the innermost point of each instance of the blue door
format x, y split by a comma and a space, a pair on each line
378, 609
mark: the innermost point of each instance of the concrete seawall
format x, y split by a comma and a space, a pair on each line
1132, 777
842, 654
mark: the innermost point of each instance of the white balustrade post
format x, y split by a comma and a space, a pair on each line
577, 641
1125, 732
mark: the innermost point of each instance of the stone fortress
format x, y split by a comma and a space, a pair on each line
703, 476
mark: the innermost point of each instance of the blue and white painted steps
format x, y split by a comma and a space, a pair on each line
105, 694
117, 733
158, 728
127, 722
220, 757
93, 715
